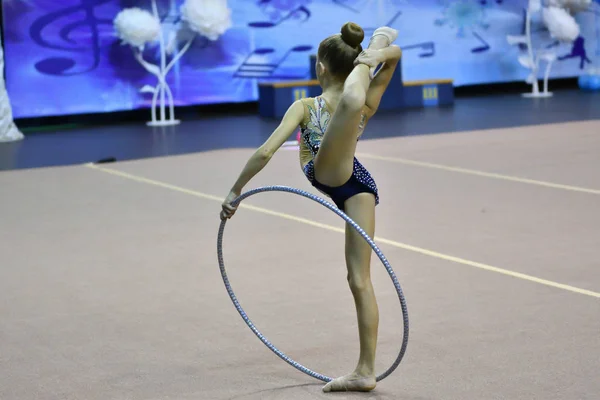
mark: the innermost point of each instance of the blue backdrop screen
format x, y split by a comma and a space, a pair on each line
63, 57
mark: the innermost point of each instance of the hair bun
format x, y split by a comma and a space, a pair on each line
352, 34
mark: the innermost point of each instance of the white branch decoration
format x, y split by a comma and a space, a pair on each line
558, 19
137, 28
8, 130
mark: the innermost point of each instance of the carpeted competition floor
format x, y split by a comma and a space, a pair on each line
110, 287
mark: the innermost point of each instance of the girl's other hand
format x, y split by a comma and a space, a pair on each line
227, 209
370, 57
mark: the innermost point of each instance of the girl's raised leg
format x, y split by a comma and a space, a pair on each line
334, 162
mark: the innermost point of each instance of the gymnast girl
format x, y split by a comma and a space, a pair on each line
331, 125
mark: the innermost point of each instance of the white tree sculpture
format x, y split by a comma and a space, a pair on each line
557, 17
137, 28
8, 130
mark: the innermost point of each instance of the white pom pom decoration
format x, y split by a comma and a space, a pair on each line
561, 24
210, 18
557, 16
136, 27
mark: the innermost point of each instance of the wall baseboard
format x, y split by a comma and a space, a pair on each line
513, 87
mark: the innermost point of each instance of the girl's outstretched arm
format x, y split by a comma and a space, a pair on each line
292, 118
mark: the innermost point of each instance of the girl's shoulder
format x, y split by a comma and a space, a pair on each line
307, 104
308, 101
312, 105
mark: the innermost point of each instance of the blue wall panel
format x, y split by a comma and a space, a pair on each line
62, 57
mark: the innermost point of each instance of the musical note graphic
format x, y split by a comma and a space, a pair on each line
267, 24
480, 49
343, 4
369, 31
250, 69
394, 18
61, 65
254, 70
426, 46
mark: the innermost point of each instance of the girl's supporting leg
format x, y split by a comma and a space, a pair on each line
361, 208
334, 165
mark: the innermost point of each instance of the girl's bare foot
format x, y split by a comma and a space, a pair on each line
351, 383
383, 37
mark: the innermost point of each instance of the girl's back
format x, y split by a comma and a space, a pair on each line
317, 115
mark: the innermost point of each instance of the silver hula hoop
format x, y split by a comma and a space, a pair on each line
359, 230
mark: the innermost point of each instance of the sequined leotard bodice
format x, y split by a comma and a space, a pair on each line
313, 128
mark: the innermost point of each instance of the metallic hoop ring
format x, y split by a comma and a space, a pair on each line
360, 231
